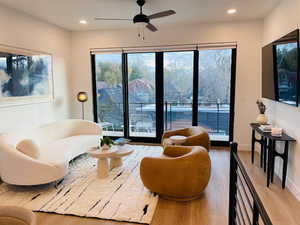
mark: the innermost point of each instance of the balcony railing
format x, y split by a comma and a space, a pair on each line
214, 116
245, 206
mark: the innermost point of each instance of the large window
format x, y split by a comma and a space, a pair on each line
140, 95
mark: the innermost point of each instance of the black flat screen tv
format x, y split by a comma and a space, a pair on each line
280, 69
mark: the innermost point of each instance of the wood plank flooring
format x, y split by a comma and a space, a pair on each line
212, 208
282, 207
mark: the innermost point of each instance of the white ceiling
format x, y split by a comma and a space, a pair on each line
67, 13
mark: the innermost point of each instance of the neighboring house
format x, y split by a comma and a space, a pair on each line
141, 91
110, 105
110, 99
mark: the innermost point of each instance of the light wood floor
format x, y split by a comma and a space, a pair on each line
212, 208
282, 207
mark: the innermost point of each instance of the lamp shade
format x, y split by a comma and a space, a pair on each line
82, 96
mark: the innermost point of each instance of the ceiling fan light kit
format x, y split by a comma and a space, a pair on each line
143, 20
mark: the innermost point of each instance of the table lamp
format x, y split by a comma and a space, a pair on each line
82, 97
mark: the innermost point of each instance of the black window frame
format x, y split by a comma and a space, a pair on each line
159, 82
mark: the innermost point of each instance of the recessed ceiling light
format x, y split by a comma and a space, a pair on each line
231, 11
82, 21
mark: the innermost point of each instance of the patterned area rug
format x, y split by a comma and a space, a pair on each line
120, 197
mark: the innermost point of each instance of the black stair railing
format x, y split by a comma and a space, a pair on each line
245, 206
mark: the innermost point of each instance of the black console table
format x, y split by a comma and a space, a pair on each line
269, 152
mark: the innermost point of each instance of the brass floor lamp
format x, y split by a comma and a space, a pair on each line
82, 97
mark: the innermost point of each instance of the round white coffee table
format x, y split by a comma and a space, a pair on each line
115, 155
116, 159
103, 164
178, 139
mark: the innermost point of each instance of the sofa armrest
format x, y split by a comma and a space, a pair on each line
20, 169
85, 127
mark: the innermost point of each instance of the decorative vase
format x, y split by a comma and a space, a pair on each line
262, 119
105, 147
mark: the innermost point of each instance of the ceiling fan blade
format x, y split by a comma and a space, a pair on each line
162, 14
151, 27
116, 19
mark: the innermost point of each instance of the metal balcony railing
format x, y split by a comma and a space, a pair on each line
245, 206
212, 115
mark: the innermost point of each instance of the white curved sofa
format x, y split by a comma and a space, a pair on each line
58, 143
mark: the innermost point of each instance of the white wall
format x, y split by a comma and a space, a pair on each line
247, 34
282, 20
20, 30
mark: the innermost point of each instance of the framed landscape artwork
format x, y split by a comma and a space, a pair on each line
25, 76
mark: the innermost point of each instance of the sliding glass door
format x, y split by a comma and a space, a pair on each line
108, 92
214, 92
178, 89
141, 95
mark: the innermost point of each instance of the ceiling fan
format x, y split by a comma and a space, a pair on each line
143, 19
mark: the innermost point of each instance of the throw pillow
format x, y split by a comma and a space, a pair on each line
29, 148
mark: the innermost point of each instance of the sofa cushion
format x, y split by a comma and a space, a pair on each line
66, 149
29, 148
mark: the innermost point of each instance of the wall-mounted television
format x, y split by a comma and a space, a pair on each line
280, 69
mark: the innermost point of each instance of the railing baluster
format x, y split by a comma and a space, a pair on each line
171, 116
255, 215
232, 185
239, 213
245, 192
244, 207
238, 218
166, 115
218, 119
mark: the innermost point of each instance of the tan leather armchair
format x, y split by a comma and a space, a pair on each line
196, 136
182, 173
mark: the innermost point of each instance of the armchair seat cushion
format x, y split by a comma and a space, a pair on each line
178, 139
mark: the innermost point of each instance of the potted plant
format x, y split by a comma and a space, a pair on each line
106, 143
261, 118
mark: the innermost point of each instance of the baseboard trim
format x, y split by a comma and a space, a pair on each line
290, 185
293, 188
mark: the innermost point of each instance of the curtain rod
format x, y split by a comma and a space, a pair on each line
195, 45
27, 50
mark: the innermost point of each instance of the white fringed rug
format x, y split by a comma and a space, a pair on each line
120, 197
